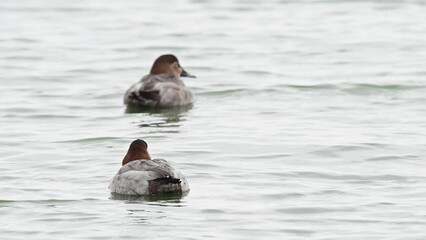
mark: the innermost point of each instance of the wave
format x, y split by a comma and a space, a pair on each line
346, 88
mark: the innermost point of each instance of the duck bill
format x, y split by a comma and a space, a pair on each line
186, 74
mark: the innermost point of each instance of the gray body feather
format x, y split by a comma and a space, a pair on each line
147, 177
160, 90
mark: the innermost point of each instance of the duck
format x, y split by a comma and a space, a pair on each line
162, 87
142, 176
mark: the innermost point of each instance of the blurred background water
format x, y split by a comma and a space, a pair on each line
309, 122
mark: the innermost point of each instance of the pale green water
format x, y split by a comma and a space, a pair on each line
309, 121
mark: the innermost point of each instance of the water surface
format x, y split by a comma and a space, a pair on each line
309, 121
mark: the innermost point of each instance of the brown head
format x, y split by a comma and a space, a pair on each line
138, 150
169, 64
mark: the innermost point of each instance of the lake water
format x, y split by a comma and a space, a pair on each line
309, 121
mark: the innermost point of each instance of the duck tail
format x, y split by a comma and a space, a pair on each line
166, 184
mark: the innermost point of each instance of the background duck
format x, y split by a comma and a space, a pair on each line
162, 87
141, 175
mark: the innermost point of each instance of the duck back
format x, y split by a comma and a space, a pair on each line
148, 177
159, 90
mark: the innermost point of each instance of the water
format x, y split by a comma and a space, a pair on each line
309, 121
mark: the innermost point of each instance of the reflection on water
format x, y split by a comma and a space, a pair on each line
155, 120
148, 198
175, 110
165, 200
142, 216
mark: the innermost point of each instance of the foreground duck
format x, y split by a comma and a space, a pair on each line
162, 87
141, 175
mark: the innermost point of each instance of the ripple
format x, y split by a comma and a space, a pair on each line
315, 210
351, 177
391, 158
353, 88
90, 140
363, 88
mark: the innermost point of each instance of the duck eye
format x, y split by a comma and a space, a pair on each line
175, 64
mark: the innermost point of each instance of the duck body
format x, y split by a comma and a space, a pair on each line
162, 87
148, 177
158, 90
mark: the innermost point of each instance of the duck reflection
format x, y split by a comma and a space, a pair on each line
163, 200
148, 209
144, 209
158, 120
169, 199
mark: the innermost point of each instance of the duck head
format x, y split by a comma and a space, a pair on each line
138, 150
169, 64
